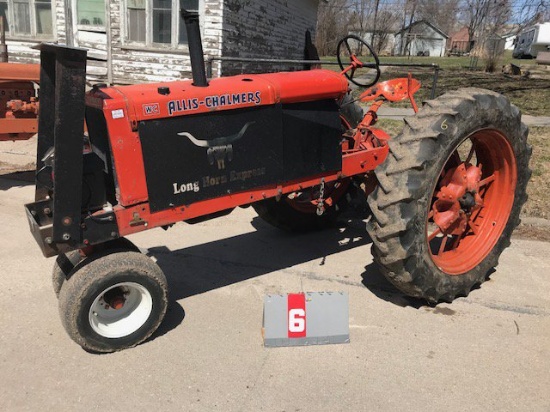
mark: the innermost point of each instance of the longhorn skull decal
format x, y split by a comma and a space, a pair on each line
219, 148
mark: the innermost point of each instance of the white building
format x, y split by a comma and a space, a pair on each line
133, 41
420, 38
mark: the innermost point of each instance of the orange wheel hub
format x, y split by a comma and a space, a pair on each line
472, 201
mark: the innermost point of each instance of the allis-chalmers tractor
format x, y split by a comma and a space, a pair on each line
447, 191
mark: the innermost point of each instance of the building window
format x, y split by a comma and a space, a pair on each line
90, 13
157, 22
28, 17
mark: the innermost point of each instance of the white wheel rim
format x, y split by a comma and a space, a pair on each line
134, 305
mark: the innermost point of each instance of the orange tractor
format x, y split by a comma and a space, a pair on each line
18, 103
447, 191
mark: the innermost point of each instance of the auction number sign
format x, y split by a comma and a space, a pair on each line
311, 318
296, 315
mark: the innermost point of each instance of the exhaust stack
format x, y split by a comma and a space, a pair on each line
191, 19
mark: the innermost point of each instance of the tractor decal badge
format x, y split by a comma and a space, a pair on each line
219, 148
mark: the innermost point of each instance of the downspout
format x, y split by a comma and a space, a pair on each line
3, 45
108, 41
69, 35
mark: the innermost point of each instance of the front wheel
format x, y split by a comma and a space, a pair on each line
65, 263
450, 194
113, 301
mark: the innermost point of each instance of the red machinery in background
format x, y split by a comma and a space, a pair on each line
18, 101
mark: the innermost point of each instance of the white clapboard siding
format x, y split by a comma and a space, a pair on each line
237, 28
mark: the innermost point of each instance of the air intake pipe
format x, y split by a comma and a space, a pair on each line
191, 19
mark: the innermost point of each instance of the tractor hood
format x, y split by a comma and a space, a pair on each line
168, 99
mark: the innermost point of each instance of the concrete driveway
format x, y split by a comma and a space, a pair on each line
489, 351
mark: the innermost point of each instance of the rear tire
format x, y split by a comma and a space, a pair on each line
412, 208
295, 212
114, 301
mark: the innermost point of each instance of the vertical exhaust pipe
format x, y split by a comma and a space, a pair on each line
191, 19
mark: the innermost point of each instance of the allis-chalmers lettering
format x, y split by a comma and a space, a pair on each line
212, 102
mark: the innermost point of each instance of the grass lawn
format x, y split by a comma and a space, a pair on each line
531, 94
538, 204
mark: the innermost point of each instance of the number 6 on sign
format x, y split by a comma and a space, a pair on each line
296, 305
296, 320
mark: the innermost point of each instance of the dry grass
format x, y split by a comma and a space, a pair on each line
538, 204
530, 93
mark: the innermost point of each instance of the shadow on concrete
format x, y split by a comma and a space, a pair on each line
173, 318
202, 268
16, 179
374, 280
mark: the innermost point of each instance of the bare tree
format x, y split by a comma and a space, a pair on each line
485, 19
529, 12
387, 20
374, 21
476, 11
443, 13
376, 7
409, 15
360, 19
332, 24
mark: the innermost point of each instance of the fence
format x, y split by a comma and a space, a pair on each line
210, 61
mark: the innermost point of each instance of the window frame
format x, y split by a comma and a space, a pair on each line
33, 35
174, 45
89, 27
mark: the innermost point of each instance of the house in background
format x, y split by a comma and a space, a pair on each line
421, 38
381, 41
133, 41
509, 40
380, 34
459, 43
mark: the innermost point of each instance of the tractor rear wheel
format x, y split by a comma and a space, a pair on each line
295, 211
113, 301
450, 194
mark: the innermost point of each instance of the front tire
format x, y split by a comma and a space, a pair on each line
66, 262
114, 301
450, 194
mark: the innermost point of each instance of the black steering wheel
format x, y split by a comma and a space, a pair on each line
351, 50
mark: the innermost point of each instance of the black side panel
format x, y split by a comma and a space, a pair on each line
192, 158
312, 136
46, 118
99, 139
61, 125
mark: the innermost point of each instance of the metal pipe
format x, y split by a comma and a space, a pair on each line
435, 67
3, 45
194, 42
434, 84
